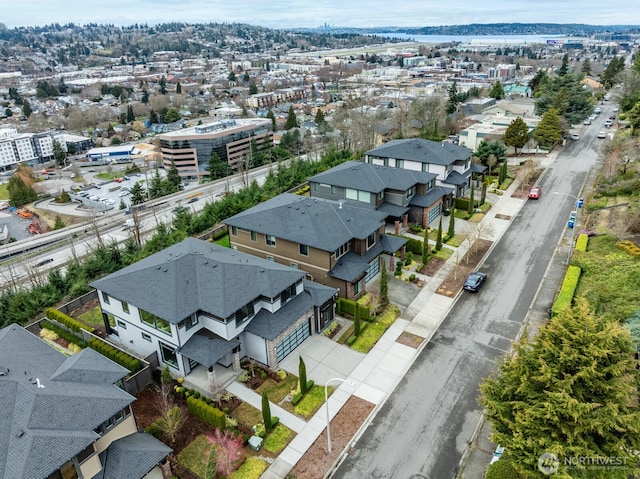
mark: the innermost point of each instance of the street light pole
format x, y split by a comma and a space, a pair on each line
326, 401
575, 221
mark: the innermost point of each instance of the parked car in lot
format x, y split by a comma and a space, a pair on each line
535, 193
602, 135
474, 281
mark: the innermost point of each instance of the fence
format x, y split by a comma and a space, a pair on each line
80, 301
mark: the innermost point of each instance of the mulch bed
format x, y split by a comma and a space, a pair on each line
432, 266
412, 340
453, 283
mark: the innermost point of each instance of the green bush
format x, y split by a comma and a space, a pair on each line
64, 334
154, 429
412, 277
65, 320
123, 359
414, 246
296, 398
627, 246
501, 469
349, 307
351, 339
209, 414
461, 204
567, 290
581, 243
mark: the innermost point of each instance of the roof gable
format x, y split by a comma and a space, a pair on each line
423, 151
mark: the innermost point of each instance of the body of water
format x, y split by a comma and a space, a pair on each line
476, 39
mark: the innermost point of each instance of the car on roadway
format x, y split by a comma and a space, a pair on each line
123, 193
592, 117
587, 121
535, 193
615, 109
474, 281
193, 200
602, 135
575, 137
598, 110
42, 262
608, 123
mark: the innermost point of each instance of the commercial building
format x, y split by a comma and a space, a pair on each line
231, 140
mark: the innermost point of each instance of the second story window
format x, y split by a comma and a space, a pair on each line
371, 240
304, 250
105, 298
234, 231
244, 313
399, 163
155, 322
341, 250
254, 236
334, 190
270, 240
125, 306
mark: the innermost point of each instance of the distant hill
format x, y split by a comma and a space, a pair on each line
573, 29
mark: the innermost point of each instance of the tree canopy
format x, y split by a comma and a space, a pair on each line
549, 132
566, 94
569, 393
488, 148
516, 134
497, 90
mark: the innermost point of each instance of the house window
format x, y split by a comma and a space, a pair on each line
122, 324
169, 355
234, 231
315, 187
287, 294
364, 196
381, 195
342, 250
351, 194
410, 192
334, 190
191, 321
146, 337
254, 236
270, 240
125, 306
155, 322
304, 249
357, 287
105, 297
371, 240
244, 313
425, 167
399, 163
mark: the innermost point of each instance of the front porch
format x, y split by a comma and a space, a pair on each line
200, 378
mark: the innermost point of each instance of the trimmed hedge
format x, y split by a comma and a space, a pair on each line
567, 290
582, 242
68, 321
63, 333
350, 306
209, 414
123, 359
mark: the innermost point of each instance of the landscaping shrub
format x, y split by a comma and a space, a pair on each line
64, 334
567, 290
65, 320
501, 469
349, 307
627, 246
413, 246
209, 414
461, 204
581, 243
296, 398
132, 364
412, 277
251, 468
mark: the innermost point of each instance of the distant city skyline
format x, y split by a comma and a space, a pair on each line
299, 13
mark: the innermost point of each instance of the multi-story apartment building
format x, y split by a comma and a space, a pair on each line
66, 417
191, 148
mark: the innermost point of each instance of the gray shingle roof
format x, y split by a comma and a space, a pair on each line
371, 178
196, 275
207, 348
456, 178
425, 201
55, 422
393, 210
390, 244
322, 224
132, 456
424, 151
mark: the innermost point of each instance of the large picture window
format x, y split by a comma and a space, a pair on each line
169, 355
244, 313
155, 322
287, 294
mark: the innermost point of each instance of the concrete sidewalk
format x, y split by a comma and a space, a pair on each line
376, 374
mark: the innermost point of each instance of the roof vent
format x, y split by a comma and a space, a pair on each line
4, 372
206, 262
340, 205
158, 267
165, 270
40, 385
20, 433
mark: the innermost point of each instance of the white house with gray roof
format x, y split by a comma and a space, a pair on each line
337, 243
450, 162
66, 417
405, 195
196, 304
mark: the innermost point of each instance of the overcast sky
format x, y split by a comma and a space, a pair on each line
313, 13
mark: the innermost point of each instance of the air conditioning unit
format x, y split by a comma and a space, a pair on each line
309, 277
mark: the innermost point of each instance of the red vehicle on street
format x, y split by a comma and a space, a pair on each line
535, 193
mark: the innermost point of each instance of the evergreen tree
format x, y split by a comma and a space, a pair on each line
425, 245
302, 376
439, 236
320, 119
272, 117
564, 68
163, 85
540, 78
568, 393
138, 195
217, 168
451, 231
20, 193
178, 88
586, 67
59, 153
471, 198
483, 198
549, 131
26, 108
153, 117
452, 102
266, 413
292, 121
145, 97
130, 115
384, 285
58, 224
253, 88
356, 321
232, 76
173, 177
497, 91
516, 134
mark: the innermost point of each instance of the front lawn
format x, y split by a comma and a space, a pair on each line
195, 456
277, 439
277, 391
247, 415
374, 331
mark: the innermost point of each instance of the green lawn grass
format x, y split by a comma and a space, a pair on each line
252, 468
92, 317
444, 253
247, 415
276, 392
196, 456
223, 241
374, 331
311, 402
278, 439
4, 191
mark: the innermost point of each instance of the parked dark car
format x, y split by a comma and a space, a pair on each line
474, 281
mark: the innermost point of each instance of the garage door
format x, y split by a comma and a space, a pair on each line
291, 342
374, 268
434, 213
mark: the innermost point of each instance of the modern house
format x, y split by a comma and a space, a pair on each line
405, 195
196, 304
231, 140
337, 243
66, 418
450, 162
